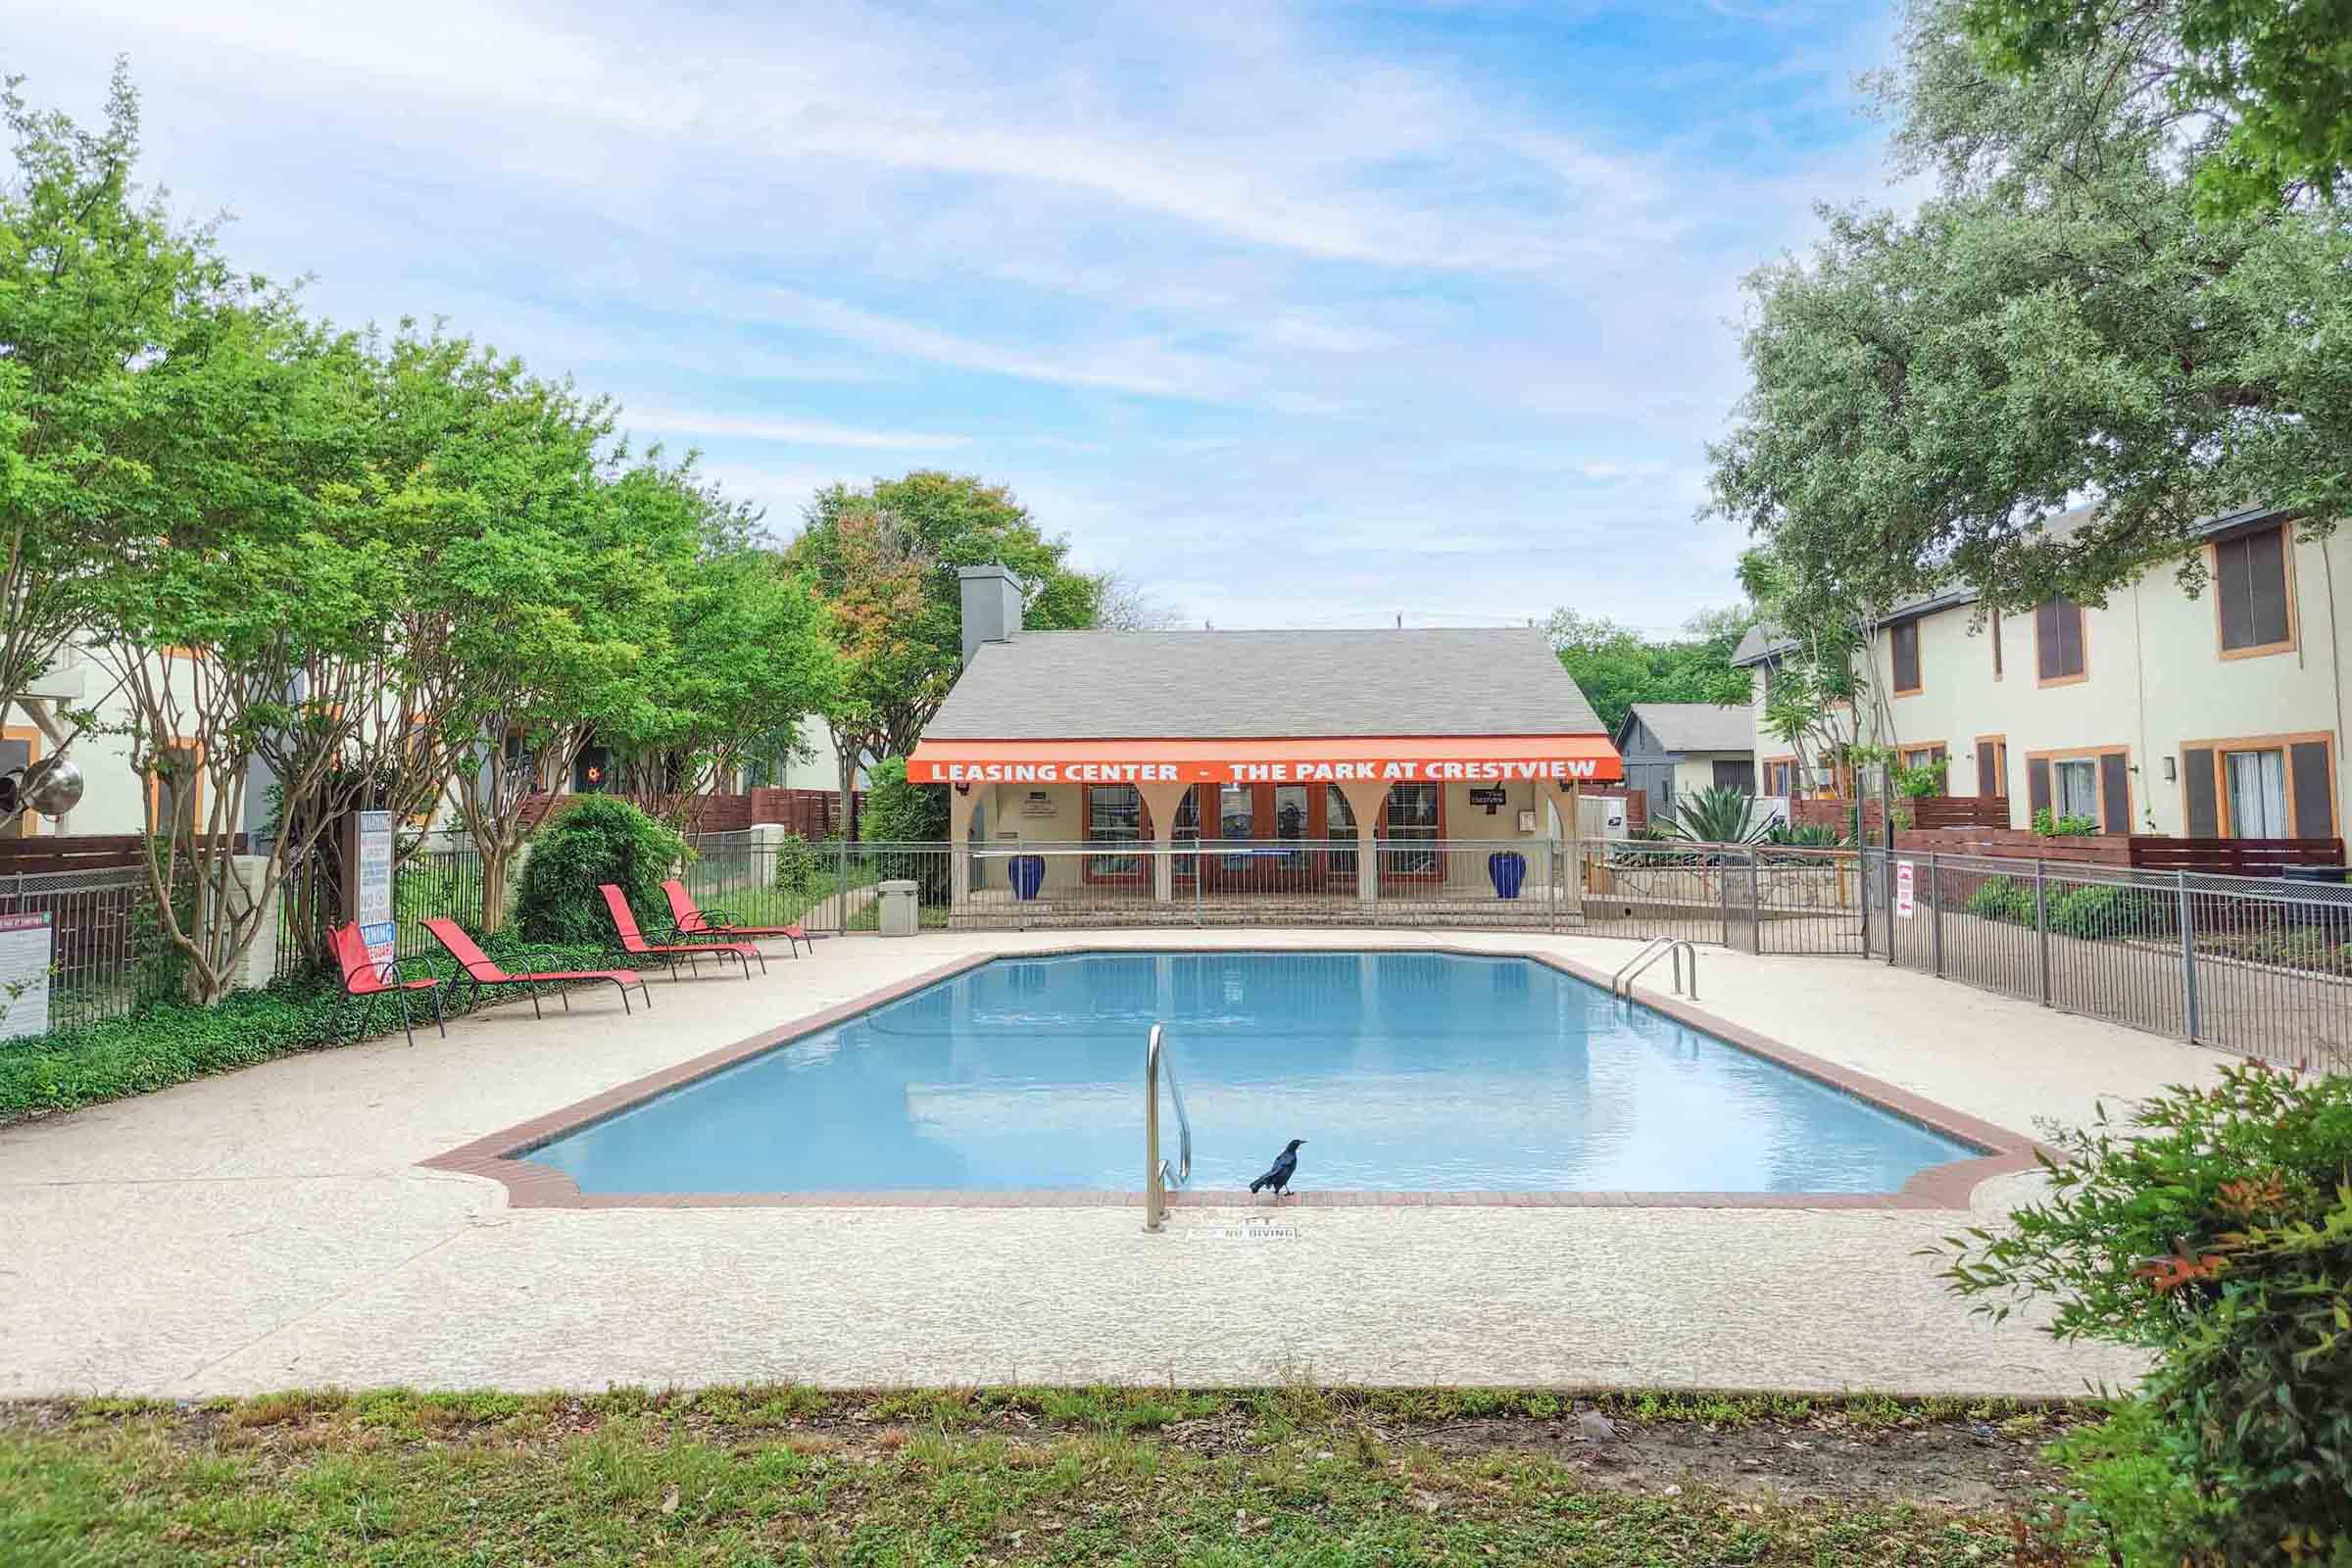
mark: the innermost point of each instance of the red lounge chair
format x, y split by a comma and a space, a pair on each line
481, 974
690, 922
633, 942
363, 976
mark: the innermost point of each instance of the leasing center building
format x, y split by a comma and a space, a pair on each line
1288, 748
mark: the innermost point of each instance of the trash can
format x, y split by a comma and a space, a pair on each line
898, 918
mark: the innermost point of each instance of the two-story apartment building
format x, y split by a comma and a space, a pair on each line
2216, 716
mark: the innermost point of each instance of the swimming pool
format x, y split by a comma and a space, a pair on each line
1405, 1071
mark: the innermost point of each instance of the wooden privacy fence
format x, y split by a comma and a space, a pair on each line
812, 813
81, 852
2147, 851
1927, 812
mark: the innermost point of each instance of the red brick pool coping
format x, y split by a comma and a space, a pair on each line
500, 1155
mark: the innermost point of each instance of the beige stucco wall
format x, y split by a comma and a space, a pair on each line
2155, 679
113, 796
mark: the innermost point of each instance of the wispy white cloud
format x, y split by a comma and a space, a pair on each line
1212, 286
800, 432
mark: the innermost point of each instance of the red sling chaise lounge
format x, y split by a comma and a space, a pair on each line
633, 942
481, 974
690, 922
363, 976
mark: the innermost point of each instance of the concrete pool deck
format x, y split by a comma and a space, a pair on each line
278, 1227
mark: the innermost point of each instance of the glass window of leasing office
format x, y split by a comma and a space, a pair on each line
1114, 814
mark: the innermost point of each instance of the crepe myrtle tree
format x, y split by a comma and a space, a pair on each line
102, 296
2055, 321
748, 650
244, 630
552, 619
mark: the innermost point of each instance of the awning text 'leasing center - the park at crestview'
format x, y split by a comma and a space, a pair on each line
1301, 741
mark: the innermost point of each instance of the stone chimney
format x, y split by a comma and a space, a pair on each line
992, 607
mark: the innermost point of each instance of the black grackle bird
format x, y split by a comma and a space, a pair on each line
1286, 1165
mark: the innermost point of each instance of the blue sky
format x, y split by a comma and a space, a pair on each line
1294, 313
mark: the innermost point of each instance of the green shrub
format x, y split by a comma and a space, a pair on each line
802, 867
2063, 828
2216, 1232
594, 841
899, 812
1806, 836
173, 1042
1999, 898
2103, 911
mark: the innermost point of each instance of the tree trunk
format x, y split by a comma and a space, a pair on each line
495, 868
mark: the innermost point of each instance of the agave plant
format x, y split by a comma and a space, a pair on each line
1718, 816
1806, 835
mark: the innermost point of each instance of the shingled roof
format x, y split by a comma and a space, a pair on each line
1230, 685
1697, 726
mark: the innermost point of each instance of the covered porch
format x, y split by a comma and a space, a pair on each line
1357, 830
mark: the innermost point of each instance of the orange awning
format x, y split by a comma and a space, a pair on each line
1398, 759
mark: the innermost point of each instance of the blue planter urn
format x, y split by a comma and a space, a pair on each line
1507, 869
1028, 873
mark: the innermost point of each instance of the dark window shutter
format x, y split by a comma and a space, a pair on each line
2313, 790
1997, 645
2197, 793
1984, 769
2037, 784
2046, 640
1906, 656
2266, 587
2070, 622
2115, 794
2233, 588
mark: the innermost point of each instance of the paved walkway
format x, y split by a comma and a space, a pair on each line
271, 1228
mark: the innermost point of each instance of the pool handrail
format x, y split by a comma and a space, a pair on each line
1158, 1177
1621, 984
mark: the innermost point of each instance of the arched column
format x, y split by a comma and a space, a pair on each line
1160, 801
1365, 797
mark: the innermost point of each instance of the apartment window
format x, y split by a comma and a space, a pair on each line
1905, 636
2076, 788
1912, 756
1412, 819
1779, 775
2058, 642
1997, 645
2250, 594
2091, 781
2259, 787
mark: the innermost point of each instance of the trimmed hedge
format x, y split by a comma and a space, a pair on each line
174, 1042
594, 841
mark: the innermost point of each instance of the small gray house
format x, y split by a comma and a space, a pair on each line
1683, 748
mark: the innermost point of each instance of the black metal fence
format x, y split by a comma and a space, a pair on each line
2256, 965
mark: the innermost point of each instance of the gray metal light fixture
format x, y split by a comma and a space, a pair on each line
2171, 770
52, 788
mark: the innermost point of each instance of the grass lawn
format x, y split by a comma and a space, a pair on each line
788, 1475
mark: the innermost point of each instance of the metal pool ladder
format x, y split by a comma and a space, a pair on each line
1621, 984
1159, 1177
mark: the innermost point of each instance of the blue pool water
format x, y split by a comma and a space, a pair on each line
1401, 1070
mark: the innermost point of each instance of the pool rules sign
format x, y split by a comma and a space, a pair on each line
371, 861
27, 941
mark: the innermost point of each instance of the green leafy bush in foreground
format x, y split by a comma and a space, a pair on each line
174, 1042
595, 841
2216, 1231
